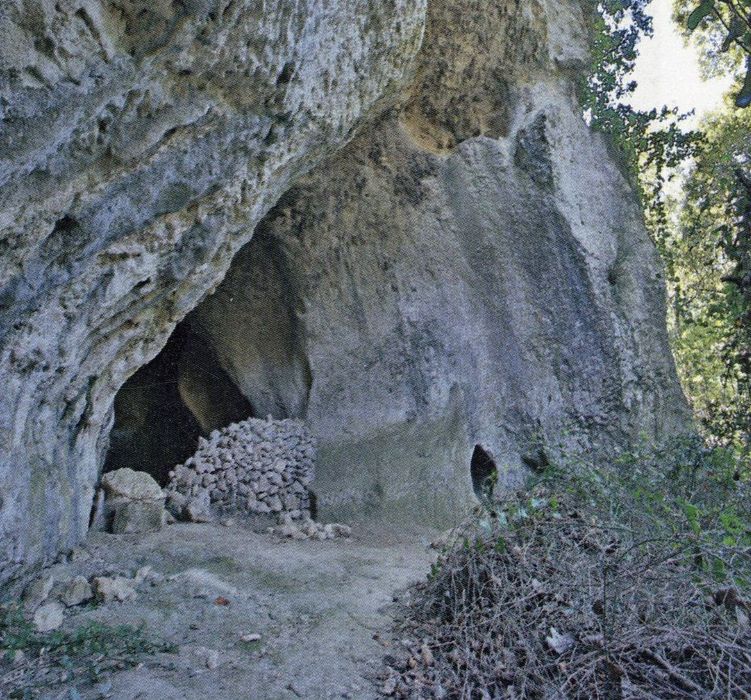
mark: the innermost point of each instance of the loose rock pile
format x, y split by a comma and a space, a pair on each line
46, 598
254, 466
307, 529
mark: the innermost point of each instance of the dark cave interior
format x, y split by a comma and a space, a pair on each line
483, 470
161, 411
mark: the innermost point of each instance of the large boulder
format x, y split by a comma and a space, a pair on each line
134, 502
132, 485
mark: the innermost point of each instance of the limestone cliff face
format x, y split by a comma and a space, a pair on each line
455, 261
470, 270
140, 143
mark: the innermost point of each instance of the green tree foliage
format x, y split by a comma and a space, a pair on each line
651, 143
708, 252
704, 237
722, 29
708, 255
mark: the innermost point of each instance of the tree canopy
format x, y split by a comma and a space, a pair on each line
722, 29
703, 234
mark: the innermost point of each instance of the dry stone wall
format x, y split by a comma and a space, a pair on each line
254, 467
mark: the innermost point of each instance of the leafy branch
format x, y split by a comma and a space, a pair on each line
733, 18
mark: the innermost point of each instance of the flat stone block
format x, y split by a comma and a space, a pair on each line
137, 516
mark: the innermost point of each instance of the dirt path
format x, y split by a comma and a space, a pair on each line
315, 604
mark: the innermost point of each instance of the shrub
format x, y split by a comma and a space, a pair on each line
50, 659
628, 581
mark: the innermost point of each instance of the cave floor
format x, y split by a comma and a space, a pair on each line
322, 609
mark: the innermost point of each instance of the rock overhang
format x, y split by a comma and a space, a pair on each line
134, 174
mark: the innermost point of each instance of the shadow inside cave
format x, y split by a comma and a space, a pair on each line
240, 354
484, 473
162, 410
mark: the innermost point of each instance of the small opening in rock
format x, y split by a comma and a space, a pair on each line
62, 239
483, 471
286, 75
65, 225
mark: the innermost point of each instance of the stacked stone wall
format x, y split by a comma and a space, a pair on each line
254, 467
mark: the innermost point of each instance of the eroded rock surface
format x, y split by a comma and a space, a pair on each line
140, 142
470, 269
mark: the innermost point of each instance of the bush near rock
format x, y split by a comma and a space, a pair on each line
627, 580
261, 467
42, 658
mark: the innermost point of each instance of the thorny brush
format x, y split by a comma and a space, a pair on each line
628, 581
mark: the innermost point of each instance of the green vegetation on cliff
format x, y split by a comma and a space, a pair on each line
703, 233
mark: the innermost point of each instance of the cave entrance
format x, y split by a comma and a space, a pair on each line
162, 410
484, 472
239, 354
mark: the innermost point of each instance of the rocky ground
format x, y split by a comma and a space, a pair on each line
235, 612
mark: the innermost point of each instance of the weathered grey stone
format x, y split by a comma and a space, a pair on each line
49, 617
130, 517
148, 575
116, 588
131, 484
37, 592
77, 591
176, 502
134, 503
470, 269
208, 657
198, 508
